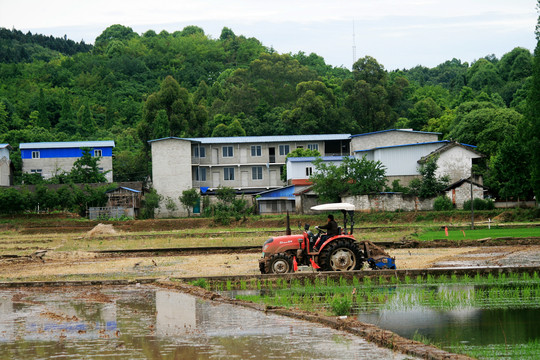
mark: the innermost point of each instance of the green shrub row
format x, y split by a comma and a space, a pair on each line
67, 197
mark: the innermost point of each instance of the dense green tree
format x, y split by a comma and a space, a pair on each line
115, 33
532, 136
189, 199
354, 176
429, 185
368, 99
85, 169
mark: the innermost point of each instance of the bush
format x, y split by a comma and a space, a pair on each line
442, 203
479, 204
341, 305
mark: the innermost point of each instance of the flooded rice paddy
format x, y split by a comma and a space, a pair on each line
489, 317
145, 322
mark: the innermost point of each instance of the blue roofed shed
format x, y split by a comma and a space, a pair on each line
277, 200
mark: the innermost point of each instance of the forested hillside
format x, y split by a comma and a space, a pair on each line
132, 87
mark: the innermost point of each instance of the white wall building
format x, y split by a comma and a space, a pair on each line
6, 168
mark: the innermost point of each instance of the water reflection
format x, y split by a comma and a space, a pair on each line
151, 323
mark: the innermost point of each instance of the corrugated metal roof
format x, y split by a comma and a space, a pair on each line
312, 158
172, 137
402, 130
270, 139
284, 193
67, 144
2, 146
396, 146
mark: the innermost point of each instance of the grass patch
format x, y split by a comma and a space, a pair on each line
465, 234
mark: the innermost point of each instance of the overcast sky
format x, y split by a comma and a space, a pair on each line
398, 33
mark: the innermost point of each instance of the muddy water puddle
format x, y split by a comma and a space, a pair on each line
145, 322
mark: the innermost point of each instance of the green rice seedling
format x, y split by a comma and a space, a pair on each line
243, 284
442, 279
430, 279
407, 279
382, 280
454, 278
419, 279
477, 278
330, 282
490, 278
343, 282
394, 280
355, 282
466, 279
229, 285
535, 276
200, 283
367, 281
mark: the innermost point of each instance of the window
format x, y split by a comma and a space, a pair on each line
200, 174
284, 150
256, 150
35, 154
256, 173
100, 170
98, 153
199, 151
313, 147
36, 171
309, 171
228, 173
228, 151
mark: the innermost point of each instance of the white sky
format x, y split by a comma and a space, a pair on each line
398, 33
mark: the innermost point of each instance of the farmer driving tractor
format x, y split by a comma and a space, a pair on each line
331, 228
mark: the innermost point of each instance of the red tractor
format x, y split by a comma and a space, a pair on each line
282, 254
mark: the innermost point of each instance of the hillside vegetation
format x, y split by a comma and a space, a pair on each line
132, 87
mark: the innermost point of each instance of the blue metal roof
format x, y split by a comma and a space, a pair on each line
312, 158
67, 144
395, 146
284, 193
402, 130
270, 139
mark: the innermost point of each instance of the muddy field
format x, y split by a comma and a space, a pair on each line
87, 265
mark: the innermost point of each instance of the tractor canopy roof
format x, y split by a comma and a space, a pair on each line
334, 207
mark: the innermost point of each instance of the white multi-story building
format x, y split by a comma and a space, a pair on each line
254, 164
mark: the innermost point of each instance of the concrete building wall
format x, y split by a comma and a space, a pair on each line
389, 202
463, 193
5, 172
456, 163
52, 166
390, 138
403, 160
171, 173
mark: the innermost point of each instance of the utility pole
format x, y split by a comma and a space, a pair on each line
472, 202
353, 44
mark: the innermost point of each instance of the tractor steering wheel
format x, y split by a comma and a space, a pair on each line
321, 231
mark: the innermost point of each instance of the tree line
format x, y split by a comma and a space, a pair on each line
132, 87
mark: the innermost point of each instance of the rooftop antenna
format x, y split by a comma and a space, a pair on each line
353, 44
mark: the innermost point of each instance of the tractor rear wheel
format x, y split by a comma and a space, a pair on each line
341, 255
280, 264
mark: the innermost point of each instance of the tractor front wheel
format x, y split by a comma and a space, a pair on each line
280, 264
341, 255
